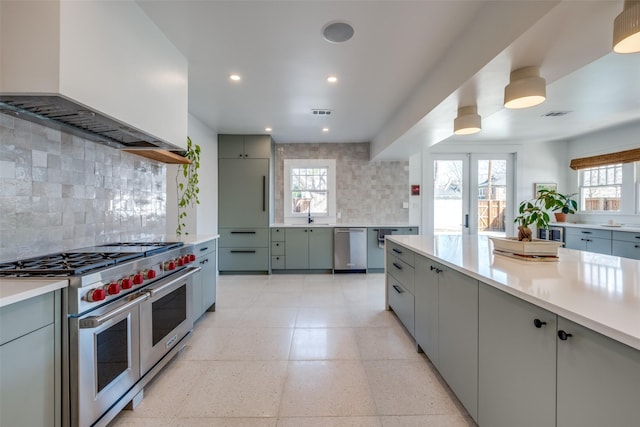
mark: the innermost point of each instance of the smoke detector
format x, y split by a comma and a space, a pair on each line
337, 32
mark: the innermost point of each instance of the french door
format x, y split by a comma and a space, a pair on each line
472, 194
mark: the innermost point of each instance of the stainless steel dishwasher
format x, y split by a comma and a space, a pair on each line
350, 250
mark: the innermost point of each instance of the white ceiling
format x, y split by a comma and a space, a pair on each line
404, 73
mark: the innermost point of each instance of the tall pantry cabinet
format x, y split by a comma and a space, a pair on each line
244, 208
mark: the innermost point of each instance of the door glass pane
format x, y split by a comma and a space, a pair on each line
447, 196
492, 196
168, 312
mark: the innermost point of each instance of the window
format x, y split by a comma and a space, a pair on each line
601, 188
309, 189
610, 188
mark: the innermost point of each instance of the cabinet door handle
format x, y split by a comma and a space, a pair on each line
204, 249
243, 232
538, 323
436, 269
636, 246
586, 240
398, 251
637, 237
586, 232
398, 289
563, 335
243, 251
399, 267
264, 193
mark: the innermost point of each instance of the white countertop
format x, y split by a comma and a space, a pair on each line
634, 228
600, 292
16, 290
343, 225
190, 239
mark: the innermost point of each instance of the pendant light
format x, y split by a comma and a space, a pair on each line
525, 89
626, 28
468, 121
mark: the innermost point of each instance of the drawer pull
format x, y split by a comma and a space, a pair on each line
243, 232
399, 267
636, 246
586, 232
204, 249
398, 251
586, 240
398, 289
538, 323
243, 251
563, 335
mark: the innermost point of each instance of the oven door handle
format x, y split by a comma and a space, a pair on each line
95, 321
161, 287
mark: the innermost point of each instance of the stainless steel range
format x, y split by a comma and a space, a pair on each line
129, 312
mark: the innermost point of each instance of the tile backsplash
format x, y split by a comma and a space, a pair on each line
60, 192
367, 192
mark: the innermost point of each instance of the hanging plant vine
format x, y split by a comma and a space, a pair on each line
187, 187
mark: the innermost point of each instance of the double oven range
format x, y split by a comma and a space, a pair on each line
128, 312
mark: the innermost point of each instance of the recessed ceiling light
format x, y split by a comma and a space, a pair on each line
332, 79
268, 129
234, 77
325, 129
337, 32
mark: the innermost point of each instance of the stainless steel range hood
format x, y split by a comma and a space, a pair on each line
61, 113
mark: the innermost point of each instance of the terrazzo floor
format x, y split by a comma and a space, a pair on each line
298, 350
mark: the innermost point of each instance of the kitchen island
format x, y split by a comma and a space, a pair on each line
552, 343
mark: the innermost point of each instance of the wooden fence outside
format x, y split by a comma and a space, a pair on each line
491, 215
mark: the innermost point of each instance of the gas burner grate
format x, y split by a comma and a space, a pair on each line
65, 263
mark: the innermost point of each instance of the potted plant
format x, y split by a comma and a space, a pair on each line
530, 213
560, 204
187, 183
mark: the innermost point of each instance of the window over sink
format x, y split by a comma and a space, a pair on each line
610, 188
309, 190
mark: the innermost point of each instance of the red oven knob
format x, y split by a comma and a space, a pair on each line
168, 266
138, 279
112, 289
151, 274
126, 283
96, 295
181, 261
192, 257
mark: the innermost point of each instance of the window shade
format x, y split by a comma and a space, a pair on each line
606, 159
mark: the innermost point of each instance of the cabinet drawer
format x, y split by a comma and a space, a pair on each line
277, 262
626, 236
404, 254
204, 248
626, 249
587, 232
244, 237
277, 234
243, 259
277, 248
26, 316
401, 271
401, 301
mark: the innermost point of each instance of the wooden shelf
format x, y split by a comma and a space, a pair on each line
163, 156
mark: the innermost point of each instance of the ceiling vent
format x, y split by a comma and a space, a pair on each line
556, 113
321, 112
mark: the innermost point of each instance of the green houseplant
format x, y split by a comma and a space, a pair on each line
530, 213
560, 204
187, 183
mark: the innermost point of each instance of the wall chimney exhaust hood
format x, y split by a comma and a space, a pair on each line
60, 113
101, 70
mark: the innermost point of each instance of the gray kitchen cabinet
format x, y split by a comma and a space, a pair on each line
458, 336
204, 283
308, 248
30, 362
244, 146
598, 380
243, 203
401, 285
626, 244
588, 239
516, 362
426, 306
408, 230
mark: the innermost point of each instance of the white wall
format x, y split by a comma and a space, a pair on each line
415, 202
203, 219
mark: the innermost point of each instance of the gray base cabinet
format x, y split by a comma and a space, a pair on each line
458, 336
375, 253
626, 244
30, 362
426, 302
204, 283
303, 248
401, 284
516, 362
598, 380
588, 239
